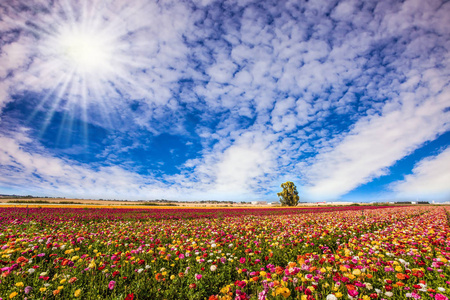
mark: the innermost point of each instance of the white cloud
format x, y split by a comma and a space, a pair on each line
430, 179
377, 142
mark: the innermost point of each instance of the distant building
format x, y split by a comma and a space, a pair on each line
274, 203
259, 202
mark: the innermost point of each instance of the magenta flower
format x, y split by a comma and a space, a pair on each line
242, 260
111, 284
353, 293
198, 276
440, 297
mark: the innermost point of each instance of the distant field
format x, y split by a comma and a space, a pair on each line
109, 203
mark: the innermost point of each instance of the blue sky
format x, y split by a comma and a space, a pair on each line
225, 100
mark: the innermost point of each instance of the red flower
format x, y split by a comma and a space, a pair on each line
129, 297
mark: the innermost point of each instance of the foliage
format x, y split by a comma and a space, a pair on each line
289, 195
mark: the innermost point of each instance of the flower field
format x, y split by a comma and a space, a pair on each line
297, 253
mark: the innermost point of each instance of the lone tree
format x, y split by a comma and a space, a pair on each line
289, 195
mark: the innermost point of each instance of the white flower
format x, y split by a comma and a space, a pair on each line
213, 268
31, 271
389, 294
331, 297
213, 246
140, 271
147, 266
43, 274
441, 289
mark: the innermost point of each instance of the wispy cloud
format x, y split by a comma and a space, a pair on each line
429, 179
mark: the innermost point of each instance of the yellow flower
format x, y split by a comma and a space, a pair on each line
63, 281
398, 269
365, 297
60, 287
75, 258
19, 284
285, 292
356, 272
304, 297
172, 277
338, 295
12, 295
42, 289
77, 293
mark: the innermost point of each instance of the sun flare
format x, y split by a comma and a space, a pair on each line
85, 51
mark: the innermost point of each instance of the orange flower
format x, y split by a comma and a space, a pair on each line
72, 280
279, 270
369, 276
181, 274
350, 287
400, 276
400, 283
255, 278
21, 260
56, 292
159, 277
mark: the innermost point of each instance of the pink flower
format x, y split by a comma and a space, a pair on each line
353, 293
242, 260
198, 276
440, 297
111, 284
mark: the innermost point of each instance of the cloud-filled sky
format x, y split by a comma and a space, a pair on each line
225, 100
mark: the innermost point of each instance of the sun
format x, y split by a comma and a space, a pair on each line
85, 51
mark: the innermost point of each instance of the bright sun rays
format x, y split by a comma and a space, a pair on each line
85, 51
81, 56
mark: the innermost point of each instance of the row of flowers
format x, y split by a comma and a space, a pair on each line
350, 253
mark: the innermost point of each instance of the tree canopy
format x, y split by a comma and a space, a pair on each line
289, 195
